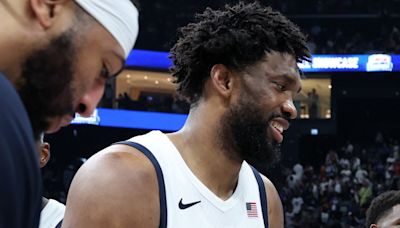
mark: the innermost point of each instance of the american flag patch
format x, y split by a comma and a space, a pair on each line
251, 209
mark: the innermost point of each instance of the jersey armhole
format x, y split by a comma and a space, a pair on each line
263, 196
59, 224
160, 179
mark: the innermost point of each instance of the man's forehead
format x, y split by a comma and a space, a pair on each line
284, 66
278, 60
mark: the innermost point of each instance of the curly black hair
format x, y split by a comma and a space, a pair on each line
381, 205
237, 36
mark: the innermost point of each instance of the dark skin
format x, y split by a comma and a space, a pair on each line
31, 24
124, 179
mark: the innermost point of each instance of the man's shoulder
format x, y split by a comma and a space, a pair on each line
7, 90
118, 165
114, 181
13, 116
16, 135
21, 186
121, 158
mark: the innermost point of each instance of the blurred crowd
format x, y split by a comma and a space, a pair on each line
328, 40
339, 191
333, 26
153, 103
384, 7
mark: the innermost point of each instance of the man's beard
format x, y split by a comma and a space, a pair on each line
45, 85
244, 136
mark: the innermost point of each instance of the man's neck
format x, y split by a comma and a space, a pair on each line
200, 147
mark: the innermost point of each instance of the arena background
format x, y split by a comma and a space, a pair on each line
341, 151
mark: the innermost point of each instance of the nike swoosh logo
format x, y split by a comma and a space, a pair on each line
183, 206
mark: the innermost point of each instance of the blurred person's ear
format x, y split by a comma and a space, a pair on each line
44, 154
373, 226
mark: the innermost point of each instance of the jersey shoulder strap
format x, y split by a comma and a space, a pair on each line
160, 178
263, 196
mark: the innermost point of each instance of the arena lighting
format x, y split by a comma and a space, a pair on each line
320, 63
314, 131
133, 119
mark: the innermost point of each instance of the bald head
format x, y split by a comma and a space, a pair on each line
384, 211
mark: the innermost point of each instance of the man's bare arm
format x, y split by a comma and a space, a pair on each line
115, 188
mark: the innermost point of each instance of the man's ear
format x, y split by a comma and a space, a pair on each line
222, 79
44, 154
373, 226
46, 11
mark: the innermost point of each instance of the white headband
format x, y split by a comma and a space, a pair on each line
119, 17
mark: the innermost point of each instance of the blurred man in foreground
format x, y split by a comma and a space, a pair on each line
56, 56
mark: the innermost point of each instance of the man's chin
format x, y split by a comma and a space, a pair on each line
54, 126
56, 123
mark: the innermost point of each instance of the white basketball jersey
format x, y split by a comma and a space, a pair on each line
52, 214
189, 203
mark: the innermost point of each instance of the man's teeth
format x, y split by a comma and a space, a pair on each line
277, 126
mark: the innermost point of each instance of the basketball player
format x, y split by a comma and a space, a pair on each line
52, 211
238, 68
55, 57
384, 211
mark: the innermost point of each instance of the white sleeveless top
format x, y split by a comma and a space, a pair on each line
52, 214
189, 203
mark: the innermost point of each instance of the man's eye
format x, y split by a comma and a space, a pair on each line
104, 73
280, 86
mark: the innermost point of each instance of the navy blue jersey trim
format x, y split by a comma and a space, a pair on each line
59, 224
160, 178
263, 196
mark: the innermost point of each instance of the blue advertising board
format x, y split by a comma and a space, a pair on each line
319, 63
133, 119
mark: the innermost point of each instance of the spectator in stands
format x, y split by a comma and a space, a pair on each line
313, 104
355, 163
361, 175
379, 138
331, 158
396, 150
297, 203
365, 192
289, 216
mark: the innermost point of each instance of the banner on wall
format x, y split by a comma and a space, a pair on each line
320, 63
133, 119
